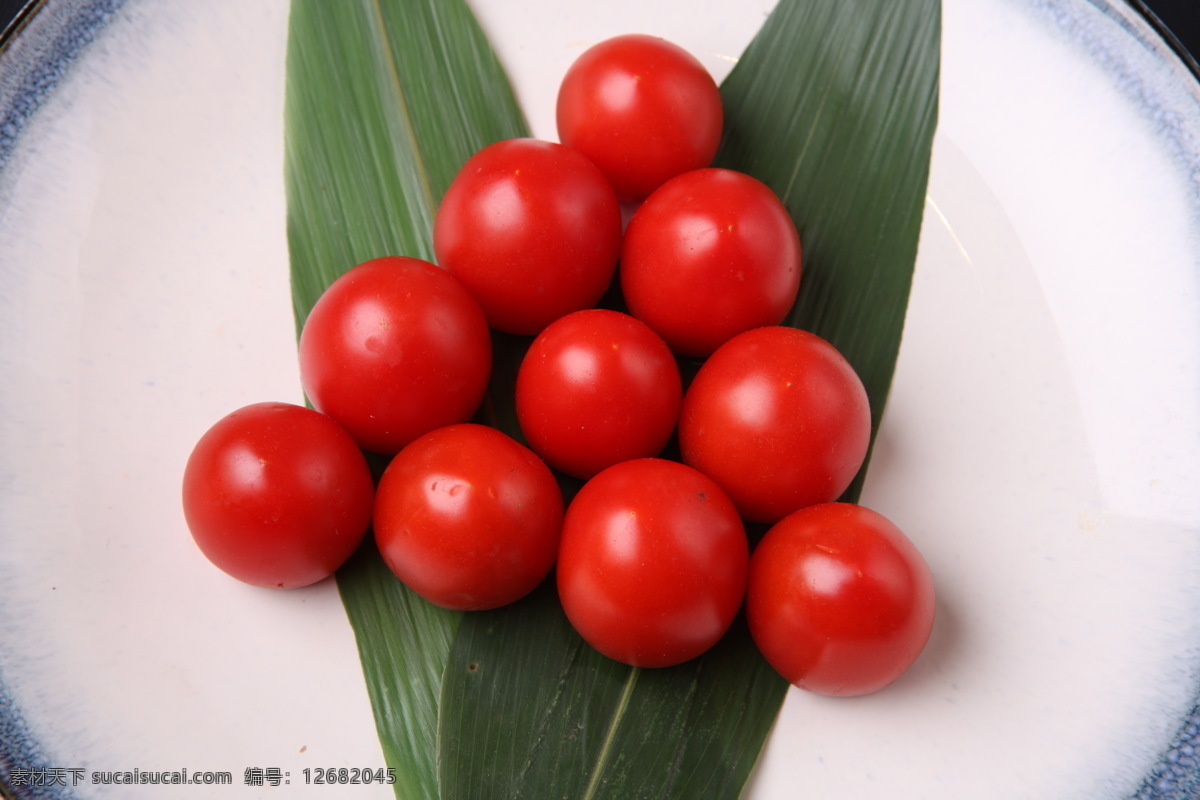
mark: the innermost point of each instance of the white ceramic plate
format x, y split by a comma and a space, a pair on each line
1041, 444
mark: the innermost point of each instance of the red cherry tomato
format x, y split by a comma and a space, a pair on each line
532, 229
779, 419
839, 601
393, 349
642, 109
595, 388
709, 255
468, 518
652, 566
277, 495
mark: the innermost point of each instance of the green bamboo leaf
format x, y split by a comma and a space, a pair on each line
853, 167
403, 643
833, 105
529, 710
385, 100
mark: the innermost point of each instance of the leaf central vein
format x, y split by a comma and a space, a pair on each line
402, 101
610, 734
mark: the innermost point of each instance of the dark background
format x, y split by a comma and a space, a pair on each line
1181, 17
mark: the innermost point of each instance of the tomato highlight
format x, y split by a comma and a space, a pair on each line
839, 601
779, 419
468, 518
532, 229
642, 109
711, 254
653, 562
393, 349
277, 495
597, 387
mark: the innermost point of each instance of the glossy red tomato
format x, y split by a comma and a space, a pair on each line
468, 518
393, 349
839, 600
642, 109
779, 419
652, 566
532, 229
595, 388
277, 495
709, 255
